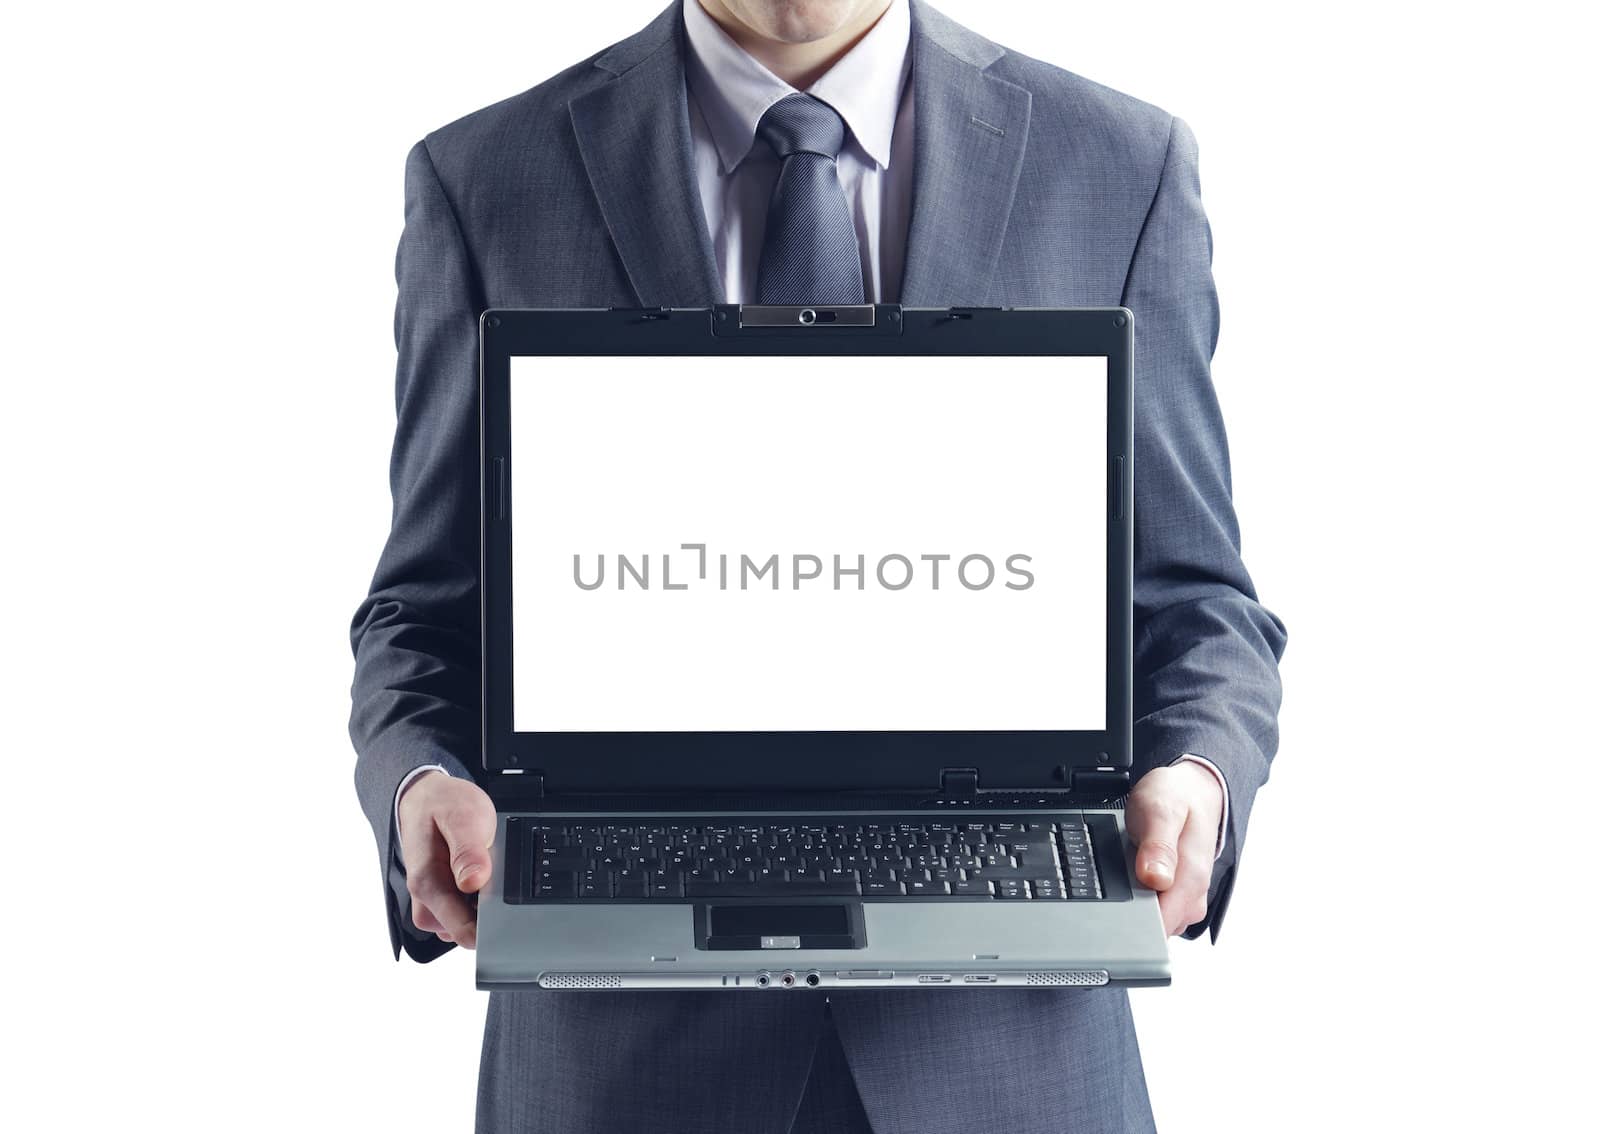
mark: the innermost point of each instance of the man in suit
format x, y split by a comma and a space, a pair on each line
822, 151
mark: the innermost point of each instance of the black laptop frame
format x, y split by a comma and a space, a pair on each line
777, 763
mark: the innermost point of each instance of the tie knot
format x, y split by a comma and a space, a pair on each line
801, 123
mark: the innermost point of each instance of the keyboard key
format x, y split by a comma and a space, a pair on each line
1011, 888
973, 886
555, 884
558, 860
920, 888
875, 889
995, 873
666, 884
737, 888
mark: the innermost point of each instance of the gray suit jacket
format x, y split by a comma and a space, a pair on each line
1031, 187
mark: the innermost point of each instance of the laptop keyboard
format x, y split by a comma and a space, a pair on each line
1025, 859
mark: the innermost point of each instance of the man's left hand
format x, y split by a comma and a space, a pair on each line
1173, 817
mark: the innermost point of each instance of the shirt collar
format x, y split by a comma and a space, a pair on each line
734, 90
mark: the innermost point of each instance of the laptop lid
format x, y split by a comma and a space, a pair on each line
862, 549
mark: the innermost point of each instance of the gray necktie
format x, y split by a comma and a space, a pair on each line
809, 254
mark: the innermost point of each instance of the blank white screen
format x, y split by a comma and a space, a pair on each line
794, 456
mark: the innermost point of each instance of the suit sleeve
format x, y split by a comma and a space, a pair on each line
415, 695
1206, 651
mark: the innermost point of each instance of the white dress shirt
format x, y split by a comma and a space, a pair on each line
870, 87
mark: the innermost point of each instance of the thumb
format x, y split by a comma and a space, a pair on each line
1157, 824
468, 831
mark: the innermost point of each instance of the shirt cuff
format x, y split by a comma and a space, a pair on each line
1222, 831
401, 790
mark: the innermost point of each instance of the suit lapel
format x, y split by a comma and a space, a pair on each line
971, 134
633, 134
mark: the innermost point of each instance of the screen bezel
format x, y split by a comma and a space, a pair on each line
832, 761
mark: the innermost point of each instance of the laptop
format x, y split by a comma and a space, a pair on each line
807, 649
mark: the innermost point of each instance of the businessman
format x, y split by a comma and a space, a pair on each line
827, 151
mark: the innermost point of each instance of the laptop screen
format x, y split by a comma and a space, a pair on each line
799, 544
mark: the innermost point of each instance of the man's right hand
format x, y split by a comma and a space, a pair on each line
446, 829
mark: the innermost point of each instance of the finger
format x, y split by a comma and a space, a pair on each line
423, 918
1156, 823
466, 937
431, 887
1184, 903
468, 831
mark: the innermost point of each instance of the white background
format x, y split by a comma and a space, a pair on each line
201, 205
848, 457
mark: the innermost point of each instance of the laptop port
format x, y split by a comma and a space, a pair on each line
813, 979
763, 979
788, 978
933, 978
980, 978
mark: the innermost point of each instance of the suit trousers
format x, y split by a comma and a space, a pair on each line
831, 1104
1027, 1061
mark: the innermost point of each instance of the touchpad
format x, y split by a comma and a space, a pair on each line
819, 925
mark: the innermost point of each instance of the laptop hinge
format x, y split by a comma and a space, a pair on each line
529, 783
1107, 783
958, 781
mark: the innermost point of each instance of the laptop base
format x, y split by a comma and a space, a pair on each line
786, 944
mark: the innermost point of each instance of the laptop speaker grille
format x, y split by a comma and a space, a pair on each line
580, 980
1083, 979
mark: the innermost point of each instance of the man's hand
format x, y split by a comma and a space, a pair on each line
1173, 817
446, 828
